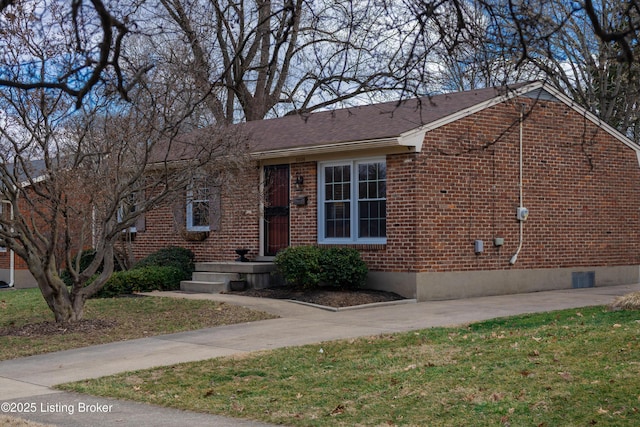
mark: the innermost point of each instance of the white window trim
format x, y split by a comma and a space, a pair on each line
190, 200
354, 239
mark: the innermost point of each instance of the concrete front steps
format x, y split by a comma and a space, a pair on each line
215, 277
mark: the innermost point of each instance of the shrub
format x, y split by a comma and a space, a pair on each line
342, 268
626, 302
310, 266
162, 271
171, 256
300, 265
144, 279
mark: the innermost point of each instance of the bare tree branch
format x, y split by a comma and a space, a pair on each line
78, 76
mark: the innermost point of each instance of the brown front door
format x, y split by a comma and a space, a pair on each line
276, 209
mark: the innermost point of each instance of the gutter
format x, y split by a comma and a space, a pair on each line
366, 144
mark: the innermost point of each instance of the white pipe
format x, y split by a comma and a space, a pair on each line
12, 255
514, 258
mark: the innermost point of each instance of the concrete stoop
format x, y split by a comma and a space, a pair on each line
215, 277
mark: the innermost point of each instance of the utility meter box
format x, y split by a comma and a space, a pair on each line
522, 214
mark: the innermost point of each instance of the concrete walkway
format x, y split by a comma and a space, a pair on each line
29, 380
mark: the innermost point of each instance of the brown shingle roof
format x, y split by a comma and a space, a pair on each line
370, 122
363, 125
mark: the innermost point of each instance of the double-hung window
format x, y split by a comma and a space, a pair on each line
198, 206
352, 201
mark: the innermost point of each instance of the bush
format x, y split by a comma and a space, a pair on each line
300, 265
161, 271
144, 279
310, 266
626, 302
342, 268
171, 256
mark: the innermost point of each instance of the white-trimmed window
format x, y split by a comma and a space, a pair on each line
198, 206
352, 205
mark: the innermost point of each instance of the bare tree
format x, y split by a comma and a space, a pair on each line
465, 53
594, 70
257, 58
621, 30
524, 27
88, 141
79, 179
586, 48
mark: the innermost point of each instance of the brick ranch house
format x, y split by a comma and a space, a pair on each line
490, 191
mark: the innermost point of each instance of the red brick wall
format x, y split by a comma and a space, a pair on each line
581, 186
5, 261
302, 218
42, 220
239, 226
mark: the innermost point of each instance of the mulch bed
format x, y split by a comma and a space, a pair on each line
323, 296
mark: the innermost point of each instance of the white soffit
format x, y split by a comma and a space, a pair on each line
369, 144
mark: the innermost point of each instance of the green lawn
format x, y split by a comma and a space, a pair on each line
25, 311
569, 368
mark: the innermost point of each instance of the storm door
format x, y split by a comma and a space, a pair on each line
276, 209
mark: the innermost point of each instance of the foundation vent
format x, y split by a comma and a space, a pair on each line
583, 279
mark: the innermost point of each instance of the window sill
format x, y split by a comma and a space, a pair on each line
195, 236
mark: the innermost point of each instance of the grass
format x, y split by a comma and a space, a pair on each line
567, 368
132, 318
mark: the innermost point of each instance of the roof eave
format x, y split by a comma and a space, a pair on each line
348, 146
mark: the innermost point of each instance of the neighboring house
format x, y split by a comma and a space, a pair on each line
14, 271
433, 192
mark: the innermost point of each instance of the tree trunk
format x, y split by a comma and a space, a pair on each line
65, 308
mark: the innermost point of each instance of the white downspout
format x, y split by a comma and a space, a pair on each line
514, 258
12, 256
